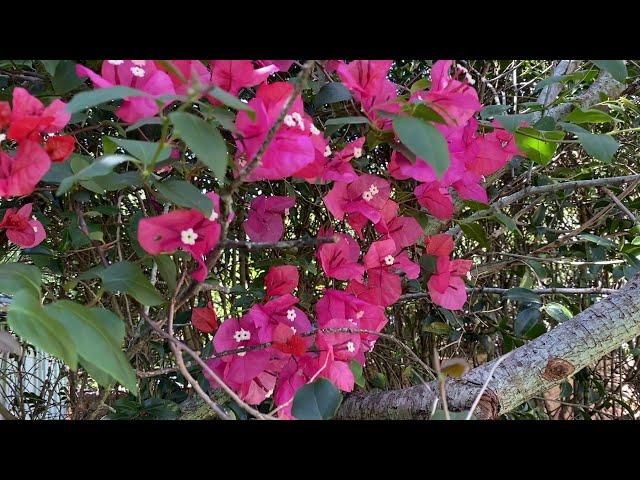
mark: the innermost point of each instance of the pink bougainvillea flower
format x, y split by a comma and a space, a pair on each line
404, 231
281, 65
254, 391
367, 80
382, 287
328, 167
204, 318
281, 310
140, 74
440, 245
292, 147
456, 101
264, 222
194, 74
186, 229
59, 147
233, 334
332, 367
281, 280
215, 213
446, 286
5, 114
287, 342
492, 151
29, 118
367, 196
340, 260
20, 175
385, 254
233, 75
436, 199
21, 229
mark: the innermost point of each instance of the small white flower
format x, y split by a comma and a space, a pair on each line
360, 314
357, 152
351, 320
289, 121
269, 393
296, 116
291, 314
138, 72
35, 229
214, 215
140, 63
351, 347
188, 237
242, 354
293, 329
241, 335
115, 62
3, 137
366, 196
327, 151
314, 130
389, 259
373, 189
301, 125
286, 212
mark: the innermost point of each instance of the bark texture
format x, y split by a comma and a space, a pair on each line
530, 370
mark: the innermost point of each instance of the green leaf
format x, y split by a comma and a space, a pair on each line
526, 319
475, 232
356, 369
422, 84
511, 123
50, 66
91, 98
603, 242
558, 312
346, 120
232, 101
186, 195
28, 319
493, 110
143, 122
98, 168
332, 93
616, 68
204, 140
591, 115
143, 151
127, 277
601, 146
421, 111
424, 140
506, 220
522, 295
539, 146
17, 276
167, 269
316, 401
439, 415
98, 335
65, 78
437, 328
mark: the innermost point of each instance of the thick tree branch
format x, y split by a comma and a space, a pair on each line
530, 370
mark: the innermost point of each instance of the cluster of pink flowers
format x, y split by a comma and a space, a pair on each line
33, 127
292, 360
274, 349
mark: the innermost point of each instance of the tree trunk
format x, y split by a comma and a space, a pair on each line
530, 370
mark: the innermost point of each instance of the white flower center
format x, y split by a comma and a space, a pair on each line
327, 151
291, 314
115, 62
289, 121
373, 189
140, 63
313, 129
293, 329
188, 237
357, 152
138, 72
242, 354
35, 229
3, 137
389, 259
351, 320
269, 393
214, 215
366, 196
298, 118
351, 347
360, 314
241, 335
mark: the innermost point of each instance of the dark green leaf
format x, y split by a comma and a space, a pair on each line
512, 122
167, 269
204, 140
475, 232
603, 242
424, 140
332, 93
356, 369
232, 101
186, 195
522, 295
98, 168
126, 277
346, 120
95, 97
143, 151
591, 115
558, 312
65, 78
316, 401
17, 276
616, 68
526, 319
